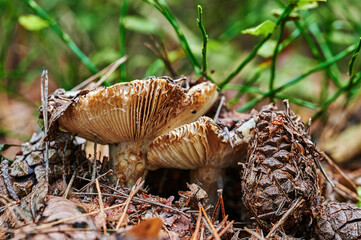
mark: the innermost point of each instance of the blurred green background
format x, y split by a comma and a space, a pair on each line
312, 35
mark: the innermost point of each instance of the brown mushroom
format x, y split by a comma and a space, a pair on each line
129, 116
204, 147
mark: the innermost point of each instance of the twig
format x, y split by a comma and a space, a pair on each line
138, 185
198, 224
284, 217
65, 195
101, 206
44, 99
214, 231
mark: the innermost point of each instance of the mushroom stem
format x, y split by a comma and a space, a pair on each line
127, 159
211, 179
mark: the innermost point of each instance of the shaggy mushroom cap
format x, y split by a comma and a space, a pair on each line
204, 147
128, 116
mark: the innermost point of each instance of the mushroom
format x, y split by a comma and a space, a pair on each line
129, 116
205, 148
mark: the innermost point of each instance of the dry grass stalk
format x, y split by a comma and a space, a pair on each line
101, 206
138, 185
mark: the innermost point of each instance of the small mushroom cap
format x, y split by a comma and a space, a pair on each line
141, 109
200, 144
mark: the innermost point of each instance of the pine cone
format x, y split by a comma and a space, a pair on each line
339, 221
279, 171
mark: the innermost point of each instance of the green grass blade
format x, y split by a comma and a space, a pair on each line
254, 50
123, 14
162, 7
65, 37
321, 66
204, 40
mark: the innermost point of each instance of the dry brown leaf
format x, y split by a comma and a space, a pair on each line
58, 209
148, 229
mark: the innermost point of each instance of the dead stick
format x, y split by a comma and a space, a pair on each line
101, 206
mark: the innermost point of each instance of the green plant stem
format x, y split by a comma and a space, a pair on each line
275, 54
353, 59
123, 13
254, 51
162, 7
356, 80
204, 40
65, 37
321, 66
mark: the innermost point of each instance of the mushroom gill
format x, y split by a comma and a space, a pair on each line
204, 147
129, 116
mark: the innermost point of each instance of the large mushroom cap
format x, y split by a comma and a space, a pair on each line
141, 109
128, 116
200, 144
